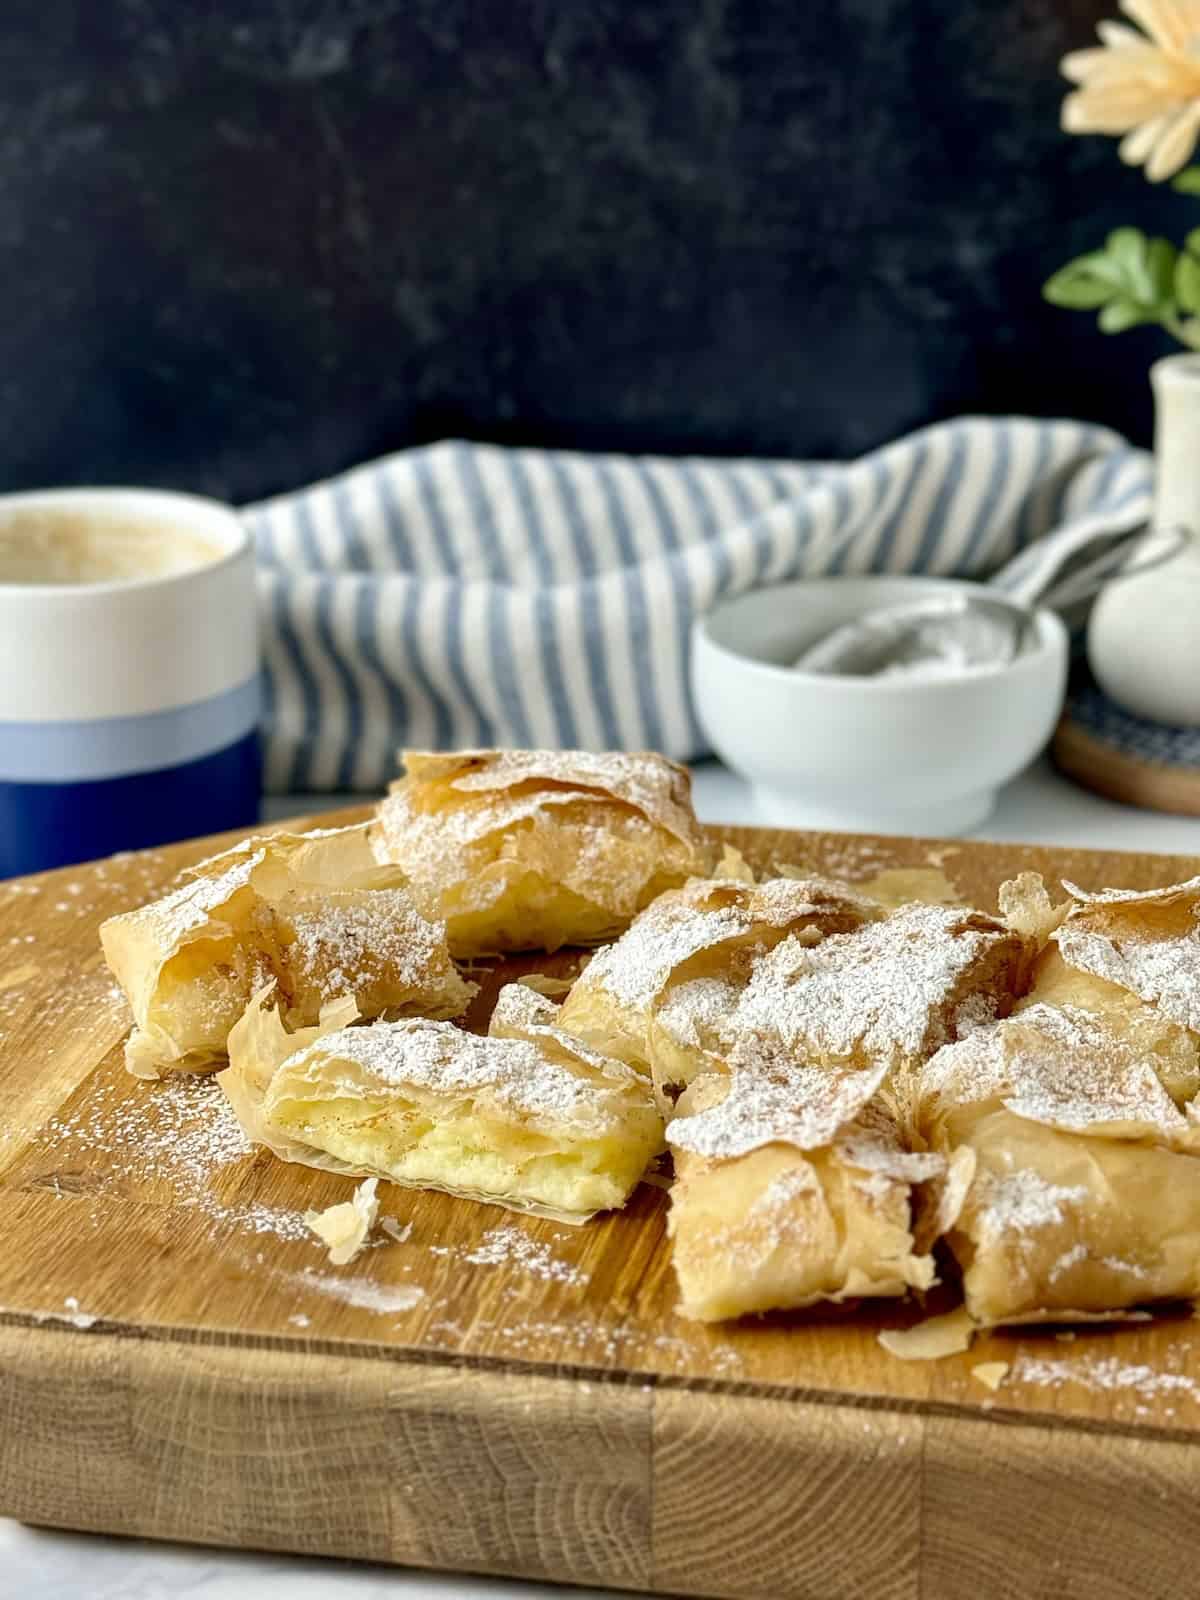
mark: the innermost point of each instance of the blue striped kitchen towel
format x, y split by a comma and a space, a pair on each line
464, 594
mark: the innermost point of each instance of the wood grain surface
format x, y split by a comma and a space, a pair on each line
504, 1395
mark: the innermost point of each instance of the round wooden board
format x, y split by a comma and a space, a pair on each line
1152, 785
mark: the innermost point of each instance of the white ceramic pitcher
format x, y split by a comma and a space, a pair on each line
1144, 634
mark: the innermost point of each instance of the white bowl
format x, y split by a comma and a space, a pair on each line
875, 755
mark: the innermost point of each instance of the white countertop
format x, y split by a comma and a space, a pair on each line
1039, 807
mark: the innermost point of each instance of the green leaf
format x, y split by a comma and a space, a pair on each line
1077, 289
1127, 246
1118, 315
1192, 243
1188, 181
1098, 264
1160, 266
1187, 284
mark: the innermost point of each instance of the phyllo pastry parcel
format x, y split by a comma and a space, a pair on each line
528, 1118
888, 994
795, 1179
534, 849
656, 997
791, 1186
314, 913
1072, 1189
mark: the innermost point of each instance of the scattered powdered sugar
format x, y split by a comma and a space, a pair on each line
1111, 897
605, 1341
881, 990
340, 938
438, 1058
1056, 1065
181, 1130
1020, 1202
1107, 1373
1164, 972
381, 1298
693, 1012
299, 1320
705, 914
189, 907
648, 782
794, 1103
1071, 1258
669, 932
973, 1013
508, 1246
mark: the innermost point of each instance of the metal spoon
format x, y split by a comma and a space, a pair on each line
957, 631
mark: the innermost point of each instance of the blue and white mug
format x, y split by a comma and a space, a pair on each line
129, 673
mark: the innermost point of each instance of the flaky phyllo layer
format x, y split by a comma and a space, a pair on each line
314, 913
525, 1118
656, 997
534, 849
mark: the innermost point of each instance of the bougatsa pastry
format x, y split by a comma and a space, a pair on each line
1131, 958
1146, 941
1074, 1189
535, 1121
315, 913
534, 849
791, 1187
886, 995
654, 997
1170, 1048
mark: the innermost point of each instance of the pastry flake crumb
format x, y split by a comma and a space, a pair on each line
947, 1335
400, 1232
542, 983
734, 866
990, 1373
344, 1228
901, 886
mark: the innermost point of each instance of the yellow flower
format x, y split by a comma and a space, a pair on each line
1143, 85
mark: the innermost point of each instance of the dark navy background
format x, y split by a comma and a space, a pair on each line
248, 242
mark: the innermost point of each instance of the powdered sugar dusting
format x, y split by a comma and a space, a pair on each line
1165, 972
509, 1246
706, 914
189, 907
888, 990
1109, 1374
1021, 1202
338, 940
381, 1298
793, 1103
438, 1058
694, 1012
182, 1132
1060, 1066
650, 783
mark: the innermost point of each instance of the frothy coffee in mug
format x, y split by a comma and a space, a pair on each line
78, 547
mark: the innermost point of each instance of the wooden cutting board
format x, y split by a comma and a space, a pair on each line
178, 1360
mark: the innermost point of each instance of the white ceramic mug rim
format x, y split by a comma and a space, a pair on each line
233, 533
